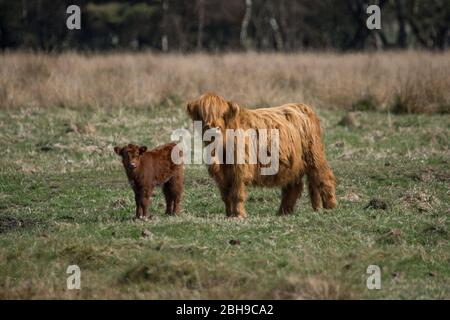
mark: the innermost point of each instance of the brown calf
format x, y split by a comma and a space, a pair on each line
146, 170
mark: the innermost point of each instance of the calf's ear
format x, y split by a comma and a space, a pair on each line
118, 150
142, 149
190, 109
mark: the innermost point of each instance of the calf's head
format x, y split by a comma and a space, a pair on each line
131, 155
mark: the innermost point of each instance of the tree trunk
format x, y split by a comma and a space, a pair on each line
357, 8
201, 23
164, 38
245, 23
400, 12
277, 34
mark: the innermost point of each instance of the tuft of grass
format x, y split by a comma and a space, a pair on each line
313, 287
366, 103
157, 270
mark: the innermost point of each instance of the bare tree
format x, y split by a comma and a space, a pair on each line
201, 23
277, 33
429, 22
245, 23
164, 38
401, 19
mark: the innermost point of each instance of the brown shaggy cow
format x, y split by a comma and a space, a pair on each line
300, 152
146, 170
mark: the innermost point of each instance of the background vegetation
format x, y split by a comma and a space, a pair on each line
399, 82
215, 25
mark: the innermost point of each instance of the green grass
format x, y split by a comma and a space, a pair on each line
64, 199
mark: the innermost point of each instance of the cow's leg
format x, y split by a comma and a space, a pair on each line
289, 196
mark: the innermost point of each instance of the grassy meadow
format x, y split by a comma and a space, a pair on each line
64, 198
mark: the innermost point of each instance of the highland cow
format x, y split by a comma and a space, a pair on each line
300, 153
146, 170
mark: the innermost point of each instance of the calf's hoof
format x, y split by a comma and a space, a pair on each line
141, 218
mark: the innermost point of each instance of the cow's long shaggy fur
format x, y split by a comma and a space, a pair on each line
300, 152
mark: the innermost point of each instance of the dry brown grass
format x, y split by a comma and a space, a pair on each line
401, 81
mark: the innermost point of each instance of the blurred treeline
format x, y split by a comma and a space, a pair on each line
214, 25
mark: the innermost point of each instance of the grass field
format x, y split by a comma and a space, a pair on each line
403, 81
64, 200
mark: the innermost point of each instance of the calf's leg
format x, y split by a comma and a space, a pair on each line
144, 202
173, 190
169, 198
138, 205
